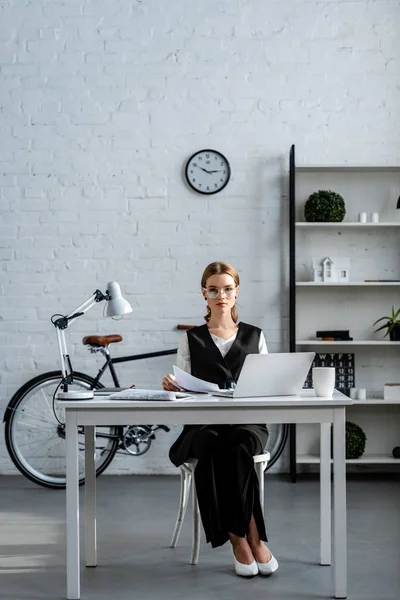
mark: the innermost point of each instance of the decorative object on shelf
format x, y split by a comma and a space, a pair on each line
353, 393
355, 440
331, 269
374, 217
396, 452
324, 206
344, 369
207, 171
392, 325
334, 335
391, 391
361, 394
362, 217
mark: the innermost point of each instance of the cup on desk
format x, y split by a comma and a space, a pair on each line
324, 381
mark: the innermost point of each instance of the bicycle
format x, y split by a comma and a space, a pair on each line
35, 425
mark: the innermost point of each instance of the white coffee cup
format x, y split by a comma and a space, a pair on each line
324, 381
362, 217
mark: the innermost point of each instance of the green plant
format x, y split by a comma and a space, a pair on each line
355, 440
325, 206
391, 324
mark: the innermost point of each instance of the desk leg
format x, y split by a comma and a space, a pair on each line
339, 499
90, 497
72, 471
325, 494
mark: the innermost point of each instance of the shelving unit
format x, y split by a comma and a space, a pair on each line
348, 285
351, 343
366, 459
374, 253
344, 224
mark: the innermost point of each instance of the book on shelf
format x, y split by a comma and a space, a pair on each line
334, 339
334, 334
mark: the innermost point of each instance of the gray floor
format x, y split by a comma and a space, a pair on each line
135, 519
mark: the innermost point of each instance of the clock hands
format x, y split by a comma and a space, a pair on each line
210, 172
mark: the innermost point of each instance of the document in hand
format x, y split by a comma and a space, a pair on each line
193, 384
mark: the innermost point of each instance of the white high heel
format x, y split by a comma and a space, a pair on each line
245, 570
268, 568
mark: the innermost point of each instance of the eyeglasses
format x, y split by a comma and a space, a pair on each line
213, 292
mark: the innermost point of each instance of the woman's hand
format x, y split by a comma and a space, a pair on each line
168, 385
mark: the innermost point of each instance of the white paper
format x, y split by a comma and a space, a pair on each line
193, 384
148, 395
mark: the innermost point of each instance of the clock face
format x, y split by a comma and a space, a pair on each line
207, 171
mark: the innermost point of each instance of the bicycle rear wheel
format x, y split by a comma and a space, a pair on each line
277, 439
35, 432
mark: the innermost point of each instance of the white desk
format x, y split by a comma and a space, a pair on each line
306, 409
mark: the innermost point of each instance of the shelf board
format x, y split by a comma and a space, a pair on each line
350, 284
375, 401
341, 224
381, 459
347, 168
351, 343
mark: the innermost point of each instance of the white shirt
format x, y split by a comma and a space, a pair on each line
183, 358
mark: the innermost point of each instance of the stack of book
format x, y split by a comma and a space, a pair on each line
334, 335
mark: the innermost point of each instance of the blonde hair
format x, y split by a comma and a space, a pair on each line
220, 268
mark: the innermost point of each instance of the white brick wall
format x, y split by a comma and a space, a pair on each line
101, 104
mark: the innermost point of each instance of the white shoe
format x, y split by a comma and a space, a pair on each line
245, 570
268, 568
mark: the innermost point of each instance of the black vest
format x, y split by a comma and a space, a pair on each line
207, 362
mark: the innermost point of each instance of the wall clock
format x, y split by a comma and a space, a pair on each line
207, 171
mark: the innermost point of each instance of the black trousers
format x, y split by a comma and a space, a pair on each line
226, 482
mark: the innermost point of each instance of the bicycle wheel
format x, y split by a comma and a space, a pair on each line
277, 439
35, 433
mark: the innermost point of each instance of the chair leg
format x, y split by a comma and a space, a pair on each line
183, 501
194, 558
260, 475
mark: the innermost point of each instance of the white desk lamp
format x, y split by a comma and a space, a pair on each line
117, 306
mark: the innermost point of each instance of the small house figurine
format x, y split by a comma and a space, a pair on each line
331, 269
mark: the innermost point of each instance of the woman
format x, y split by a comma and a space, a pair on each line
227, 488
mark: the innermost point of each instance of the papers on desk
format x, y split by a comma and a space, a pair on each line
193, 384
149, 395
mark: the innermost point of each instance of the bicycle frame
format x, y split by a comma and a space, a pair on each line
110, 361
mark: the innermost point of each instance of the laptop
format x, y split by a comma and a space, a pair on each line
280, 374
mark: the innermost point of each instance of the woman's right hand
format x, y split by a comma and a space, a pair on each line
168, 385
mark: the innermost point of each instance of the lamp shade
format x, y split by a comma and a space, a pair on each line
116, 305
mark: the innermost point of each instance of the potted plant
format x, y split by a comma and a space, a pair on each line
392, 325
324, 206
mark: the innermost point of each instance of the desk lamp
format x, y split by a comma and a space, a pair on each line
117, 306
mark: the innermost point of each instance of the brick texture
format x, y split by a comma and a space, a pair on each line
101, 104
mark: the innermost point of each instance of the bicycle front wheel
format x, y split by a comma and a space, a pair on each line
35, 432
277, 439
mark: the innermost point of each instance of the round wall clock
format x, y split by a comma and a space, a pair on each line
207, 171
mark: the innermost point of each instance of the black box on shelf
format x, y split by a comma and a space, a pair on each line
345, 370
341, 334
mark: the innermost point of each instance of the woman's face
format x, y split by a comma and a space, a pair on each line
220, 293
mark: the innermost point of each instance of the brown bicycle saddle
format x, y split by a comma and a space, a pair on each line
101, 340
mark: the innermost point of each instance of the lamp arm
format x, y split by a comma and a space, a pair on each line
62, 323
